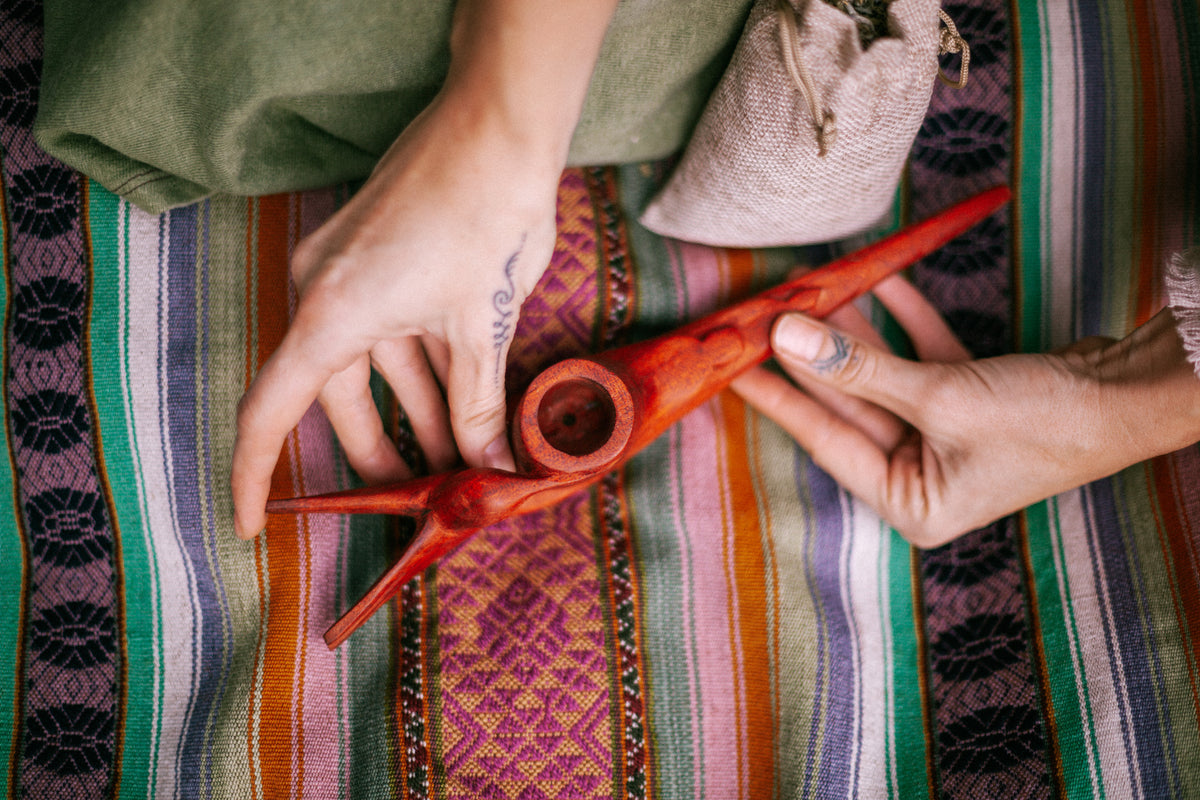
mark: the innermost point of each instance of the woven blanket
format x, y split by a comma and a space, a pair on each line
716, 620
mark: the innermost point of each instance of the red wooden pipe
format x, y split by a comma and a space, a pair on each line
584, 417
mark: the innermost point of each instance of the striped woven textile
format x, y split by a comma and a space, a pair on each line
718, 619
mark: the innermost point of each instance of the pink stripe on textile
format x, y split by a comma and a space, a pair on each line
689, 645
707, 278
324, 734
704, 522
323, 722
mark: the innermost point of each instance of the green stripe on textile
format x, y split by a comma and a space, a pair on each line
372, 681
1029, 177
670, 666
788, 519
222, 339
1064, 661
907, 775
143, 602
225, 270
776, 563
1124, 161
376, 735
1165, 653
12, 567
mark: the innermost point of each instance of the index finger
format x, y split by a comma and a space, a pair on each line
276, 400
850, 455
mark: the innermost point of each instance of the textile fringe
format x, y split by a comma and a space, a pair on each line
1183, 296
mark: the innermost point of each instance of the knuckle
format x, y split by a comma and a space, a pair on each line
245, 412
479, 411
304, 255
858, 365
944, 400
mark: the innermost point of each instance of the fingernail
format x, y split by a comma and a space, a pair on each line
497, 455
243, 532
798, 337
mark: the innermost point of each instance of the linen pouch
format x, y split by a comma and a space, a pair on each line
805, 138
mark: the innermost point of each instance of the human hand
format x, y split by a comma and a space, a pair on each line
946, 445
421, 275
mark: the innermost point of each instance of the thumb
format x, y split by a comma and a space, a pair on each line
834, 358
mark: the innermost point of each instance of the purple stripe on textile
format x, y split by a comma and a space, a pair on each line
183, 402
70, 701
1133, 662
1093, 111
834, 712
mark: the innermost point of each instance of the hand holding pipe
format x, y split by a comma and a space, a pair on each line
584, 417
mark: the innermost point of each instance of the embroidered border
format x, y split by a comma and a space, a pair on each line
68, 741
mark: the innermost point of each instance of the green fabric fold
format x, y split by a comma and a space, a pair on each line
165, 102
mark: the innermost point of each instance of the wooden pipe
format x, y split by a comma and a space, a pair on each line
584, 417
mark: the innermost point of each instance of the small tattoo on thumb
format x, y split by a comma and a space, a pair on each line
825, 349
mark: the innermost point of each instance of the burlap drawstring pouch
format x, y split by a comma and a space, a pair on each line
805, 138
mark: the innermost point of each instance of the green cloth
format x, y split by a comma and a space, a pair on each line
165, 102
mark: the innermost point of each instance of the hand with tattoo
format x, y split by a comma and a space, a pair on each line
947, 444
421, 275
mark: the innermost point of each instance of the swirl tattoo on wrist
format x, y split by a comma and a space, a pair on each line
502, 302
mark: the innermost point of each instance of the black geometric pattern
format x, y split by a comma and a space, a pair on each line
69, 693
987, 333
71, 739
992, 739
961, 142
984, 30
987, 714
25, 12
68, 527
48, 313
75, 635
979, 647
19, 93
985, 704
969, 255
50, 421
982, 555
44, 200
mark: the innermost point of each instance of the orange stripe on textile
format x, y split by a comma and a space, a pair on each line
278, 722
749, 567
754, 757
737, 280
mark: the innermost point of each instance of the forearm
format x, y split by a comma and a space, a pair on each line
1150, 392
525, 65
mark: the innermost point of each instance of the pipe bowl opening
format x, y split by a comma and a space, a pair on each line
575, 419
576, 416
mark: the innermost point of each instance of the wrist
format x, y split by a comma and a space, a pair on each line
471, 113
522, 69
1149, 390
